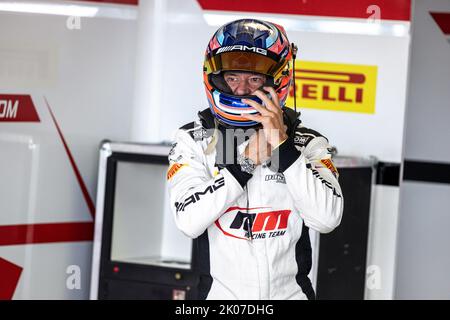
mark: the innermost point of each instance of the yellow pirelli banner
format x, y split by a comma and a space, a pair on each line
334, 86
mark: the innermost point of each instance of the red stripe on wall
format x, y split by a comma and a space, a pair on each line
389, 9
443, 21
46, 233
129, 2
80, 180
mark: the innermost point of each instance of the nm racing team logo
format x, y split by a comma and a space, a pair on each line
253, 223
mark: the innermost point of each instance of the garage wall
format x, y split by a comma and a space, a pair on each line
423, 258
76, 85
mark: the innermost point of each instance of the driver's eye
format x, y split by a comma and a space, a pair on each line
256, 80
230, 79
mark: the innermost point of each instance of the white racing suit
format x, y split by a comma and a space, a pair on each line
251, 230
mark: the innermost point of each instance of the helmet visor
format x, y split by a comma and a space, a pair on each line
244, 61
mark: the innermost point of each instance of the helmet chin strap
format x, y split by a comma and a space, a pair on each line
294, 55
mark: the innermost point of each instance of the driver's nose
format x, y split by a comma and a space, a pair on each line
242, 89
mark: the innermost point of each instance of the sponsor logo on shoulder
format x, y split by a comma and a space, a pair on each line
302, 140
174, 169
199, 134
330, 165
278, 178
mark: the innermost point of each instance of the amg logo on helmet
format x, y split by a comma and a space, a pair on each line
242, 48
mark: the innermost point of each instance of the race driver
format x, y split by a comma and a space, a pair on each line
247, 180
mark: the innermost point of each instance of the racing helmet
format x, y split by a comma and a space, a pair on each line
246, 45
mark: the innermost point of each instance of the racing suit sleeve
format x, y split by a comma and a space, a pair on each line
197, 198
312, 180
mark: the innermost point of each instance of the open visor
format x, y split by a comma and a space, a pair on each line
244, 61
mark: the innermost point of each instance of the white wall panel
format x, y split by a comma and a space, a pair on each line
428, 115
87, 77
381, 253
423, 259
